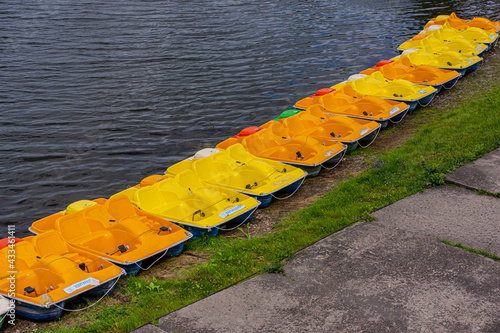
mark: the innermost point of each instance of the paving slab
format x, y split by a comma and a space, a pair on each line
368, 278
451, 213
483, 174
149, 329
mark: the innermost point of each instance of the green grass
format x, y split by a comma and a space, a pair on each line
443, 141
483, 253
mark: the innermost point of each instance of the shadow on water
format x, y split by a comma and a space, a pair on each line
97, 96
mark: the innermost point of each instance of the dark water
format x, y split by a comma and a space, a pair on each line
96, 95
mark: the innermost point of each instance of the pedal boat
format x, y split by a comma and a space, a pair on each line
305, 153
433, 44
117, 231
347, 102
455, 22
395, 90
4, 308
349, 131
238, 170
49, 272
447, 60
198, 207
420, 74
446, 33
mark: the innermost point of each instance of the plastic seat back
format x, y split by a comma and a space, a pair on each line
189, 180
278, 129
50, 243
295, 125
120, 207
150, 198
73, 226
179, 167
254, 144
238, 153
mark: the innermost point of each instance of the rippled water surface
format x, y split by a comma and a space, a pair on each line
96, 95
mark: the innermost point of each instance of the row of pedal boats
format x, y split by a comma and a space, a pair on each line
86, 248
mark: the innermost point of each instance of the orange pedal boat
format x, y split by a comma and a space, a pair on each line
115, 230
347, 102
49, 272
462, 24
303, 152
419, 74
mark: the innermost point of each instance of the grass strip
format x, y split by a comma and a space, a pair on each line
443, 141
483, 253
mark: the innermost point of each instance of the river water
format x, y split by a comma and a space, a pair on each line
96, 95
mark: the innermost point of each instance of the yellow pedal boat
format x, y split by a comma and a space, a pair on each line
198, 207
455, 22
347, 102
446, 60
398, 90
303, 152
49, 272
117, 231
238, 170
349, 131
434, 45
446, 33
420, 74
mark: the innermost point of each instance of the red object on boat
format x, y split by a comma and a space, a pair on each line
384, 62
248, 131
324, 91
4, 242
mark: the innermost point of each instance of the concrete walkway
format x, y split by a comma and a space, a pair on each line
392, 275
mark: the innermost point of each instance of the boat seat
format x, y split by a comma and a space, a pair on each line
97, 217
76, 229
120, 207
279, 130
26, 255
238, 153
150, 199
151, 180
212, 172
298, 125
188, 179
179, 167
50, 243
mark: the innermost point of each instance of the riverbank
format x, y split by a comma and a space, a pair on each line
461, 125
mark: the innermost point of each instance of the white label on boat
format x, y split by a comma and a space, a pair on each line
470, 61
479, 47
396, 109
492, 37
282, 180
363, 131
82, 284
230, 211
422, 91
329, 152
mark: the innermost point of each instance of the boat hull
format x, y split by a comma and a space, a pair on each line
291, 188
32, 311
451, 83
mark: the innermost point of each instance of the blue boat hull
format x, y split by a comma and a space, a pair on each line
100, 290
472, 68
131, 269
175, 251
197, 232
212, 232
289, 188
451, 83
243, 218
38, 313
265, 200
